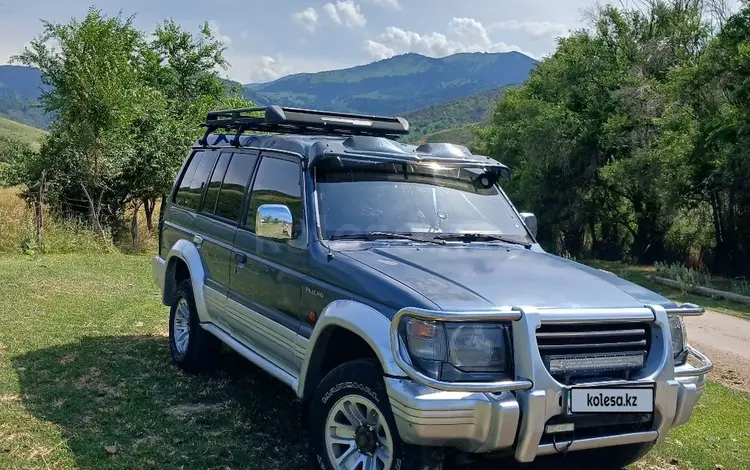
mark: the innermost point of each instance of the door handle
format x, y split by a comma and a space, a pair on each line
240, 259
198, 241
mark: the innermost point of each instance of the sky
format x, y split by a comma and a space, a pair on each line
267, 39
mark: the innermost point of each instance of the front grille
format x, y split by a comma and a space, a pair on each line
597, 345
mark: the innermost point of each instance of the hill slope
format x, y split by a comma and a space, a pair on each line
446, 119
20, 89
21, 132
397, 85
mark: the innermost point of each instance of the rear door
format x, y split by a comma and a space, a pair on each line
220, 216
214, 238
266, 286
180, 217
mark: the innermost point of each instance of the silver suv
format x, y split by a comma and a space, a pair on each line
400, 294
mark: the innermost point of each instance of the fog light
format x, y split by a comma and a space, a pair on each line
570, 364
558, 428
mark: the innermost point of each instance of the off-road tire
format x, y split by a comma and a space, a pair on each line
203, 348
362, 377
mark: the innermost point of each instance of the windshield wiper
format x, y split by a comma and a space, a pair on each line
385, 235
481, 237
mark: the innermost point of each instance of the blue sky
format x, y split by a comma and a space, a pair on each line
269, 39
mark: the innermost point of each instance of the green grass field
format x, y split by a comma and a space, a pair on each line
638, 274
84, 367
16, 130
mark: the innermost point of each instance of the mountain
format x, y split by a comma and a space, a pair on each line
20, 89
397, 85
453, 119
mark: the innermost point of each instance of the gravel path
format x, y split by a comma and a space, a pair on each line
726, 341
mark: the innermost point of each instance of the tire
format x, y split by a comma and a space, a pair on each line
360, 383
607, 458
199, 350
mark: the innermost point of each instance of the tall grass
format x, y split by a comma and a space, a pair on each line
17, 232
688, 277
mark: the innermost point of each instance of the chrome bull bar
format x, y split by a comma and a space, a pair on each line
513, 314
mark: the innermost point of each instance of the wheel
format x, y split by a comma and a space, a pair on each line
351, 425
607, 458
193, 349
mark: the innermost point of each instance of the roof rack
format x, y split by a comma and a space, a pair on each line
276, 119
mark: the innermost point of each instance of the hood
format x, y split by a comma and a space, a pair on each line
483, 276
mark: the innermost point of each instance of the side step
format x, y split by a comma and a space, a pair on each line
252, 356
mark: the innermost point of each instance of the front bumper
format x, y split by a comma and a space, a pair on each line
513, 415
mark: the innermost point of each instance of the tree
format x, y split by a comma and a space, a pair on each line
127, 111
96, 94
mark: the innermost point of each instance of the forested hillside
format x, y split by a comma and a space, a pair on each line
454, 118
632, 140
20, 88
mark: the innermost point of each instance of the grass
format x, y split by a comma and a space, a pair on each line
637, 274
22, 132
84, 366
17, 230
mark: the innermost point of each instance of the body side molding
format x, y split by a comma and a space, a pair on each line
364, 321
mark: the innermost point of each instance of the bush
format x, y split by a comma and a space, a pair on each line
69, 235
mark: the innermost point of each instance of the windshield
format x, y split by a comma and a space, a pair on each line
413, 199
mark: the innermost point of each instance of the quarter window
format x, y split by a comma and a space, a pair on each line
229, 205
181, 197
212, 193
277, 182
195, 190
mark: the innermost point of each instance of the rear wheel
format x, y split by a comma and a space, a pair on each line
193, 349
351, 426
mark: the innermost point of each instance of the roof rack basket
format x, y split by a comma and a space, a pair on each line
276, 119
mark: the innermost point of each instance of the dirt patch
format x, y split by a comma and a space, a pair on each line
91, 380
9, 397
187, 411
726, 341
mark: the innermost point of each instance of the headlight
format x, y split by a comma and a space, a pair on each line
679, 339
457, 352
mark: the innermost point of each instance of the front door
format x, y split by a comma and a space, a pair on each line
266, 286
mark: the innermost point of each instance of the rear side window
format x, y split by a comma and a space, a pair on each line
187, 177
194, 192
214, 185
229, 205
277, 182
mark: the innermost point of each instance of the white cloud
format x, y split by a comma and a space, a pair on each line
378, 50
257, 69
464, 35
345, 13
213, 25
532, 28
392, 4
244, 35
307, 18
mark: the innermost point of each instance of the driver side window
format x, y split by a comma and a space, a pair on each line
277, 182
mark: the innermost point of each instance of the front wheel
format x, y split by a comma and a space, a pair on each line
351, 425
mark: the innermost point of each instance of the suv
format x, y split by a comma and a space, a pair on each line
397, 290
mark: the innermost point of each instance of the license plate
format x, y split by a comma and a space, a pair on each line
611, 400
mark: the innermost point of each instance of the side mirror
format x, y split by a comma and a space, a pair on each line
273, 221
529, 220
